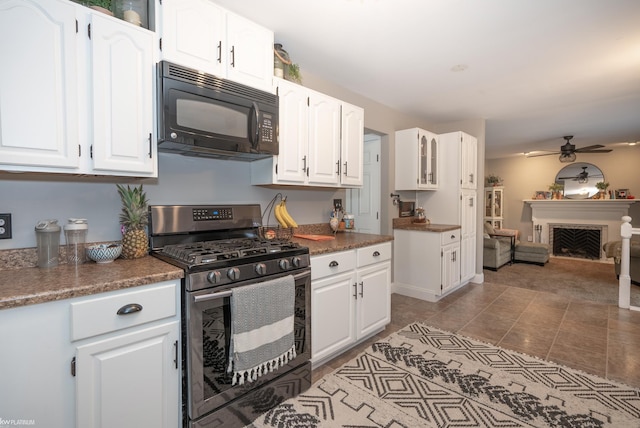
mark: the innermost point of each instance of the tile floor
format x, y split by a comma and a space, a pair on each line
596, 338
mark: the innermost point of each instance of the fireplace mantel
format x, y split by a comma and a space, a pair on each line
605, 213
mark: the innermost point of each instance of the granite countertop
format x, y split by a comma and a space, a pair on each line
406, 223
31, 285
22, 283
343, 241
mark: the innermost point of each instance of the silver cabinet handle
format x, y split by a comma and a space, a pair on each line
131, 308
361, 288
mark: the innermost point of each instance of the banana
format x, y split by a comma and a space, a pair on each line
286, 216
277, 212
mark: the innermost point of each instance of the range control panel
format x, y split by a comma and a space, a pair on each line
206, 214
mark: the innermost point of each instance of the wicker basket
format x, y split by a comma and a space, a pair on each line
275, 232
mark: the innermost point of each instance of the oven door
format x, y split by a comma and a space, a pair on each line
208, 385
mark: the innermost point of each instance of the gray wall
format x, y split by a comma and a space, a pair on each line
523, 176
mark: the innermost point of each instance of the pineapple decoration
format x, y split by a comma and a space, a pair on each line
134, 219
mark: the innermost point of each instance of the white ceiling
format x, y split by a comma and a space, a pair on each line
536, 70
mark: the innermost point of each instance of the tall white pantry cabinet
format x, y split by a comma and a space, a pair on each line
457, 195
453, 203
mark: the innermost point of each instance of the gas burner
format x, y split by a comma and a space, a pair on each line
202, 253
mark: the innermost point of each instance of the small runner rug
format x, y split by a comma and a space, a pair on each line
424, 377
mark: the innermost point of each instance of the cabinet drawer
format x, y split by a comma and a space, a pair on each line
331, 264
100, 315
450, 237
374, 254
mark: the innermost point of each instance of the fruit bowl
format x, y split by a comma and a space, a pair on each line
104, 253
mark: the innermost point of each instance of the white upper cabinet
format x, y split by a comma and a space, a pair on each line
320, 139
192, 32
292, 160
201, 35
38, 90
352, 145
324, 139
469, 166
417, 165
81, 101
249, 53
122, 94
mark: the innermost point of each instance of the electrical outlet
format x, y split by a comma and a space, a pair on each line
5, 226
530, 238
337, 204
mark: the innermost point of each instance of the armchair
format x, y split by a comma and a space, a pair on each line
613, 249
498, 248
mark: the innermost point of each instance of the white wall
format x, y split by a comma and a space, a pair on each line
523, 176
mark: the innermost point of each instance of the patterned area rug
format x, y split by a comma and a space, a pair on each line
424, 377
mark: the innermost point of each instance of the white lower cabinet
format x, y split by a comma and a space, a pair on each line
350, 298
129, 380
426, 264
76, 363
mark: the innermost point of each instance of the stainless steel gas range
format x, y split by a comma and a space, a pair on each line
219, 248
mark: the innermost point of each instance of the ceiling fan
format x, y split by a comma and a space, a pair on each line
568, 151
581, 177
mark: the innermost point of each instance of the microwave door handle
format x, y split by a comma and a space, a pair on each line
255, 132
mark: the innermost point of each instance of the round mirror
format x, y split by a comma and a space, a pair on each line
579, 180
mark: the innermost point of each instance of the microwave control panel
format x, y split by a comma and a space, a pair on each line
266, 128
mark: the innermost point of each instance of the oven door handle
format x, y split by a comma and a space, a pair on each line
228, 293
212, 296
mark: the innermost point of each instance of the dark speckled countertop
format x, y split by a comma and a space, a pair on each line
21, 283
31, 285
406, 223
343, 241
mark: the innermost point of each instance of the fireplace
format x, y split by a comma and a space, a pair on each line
576, 240
582, 215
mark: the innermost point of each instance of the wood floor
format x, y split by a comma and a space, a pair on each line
593, 337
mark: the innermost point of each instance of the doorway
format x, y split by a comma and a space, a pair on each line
364, 203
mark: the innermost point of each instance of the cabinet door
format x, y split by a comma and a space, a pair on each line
324, 139
193, 33
374, 298
293, 157
450, 267
38, 89
249, 53
352, 145
469, 167
428, 160
131, 380
122, 83
332, 306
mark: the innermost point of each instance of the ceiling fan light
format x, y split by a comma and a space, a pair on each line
567, 157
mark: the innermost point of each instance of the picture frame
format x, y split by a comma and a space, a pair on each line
541, 194
622, 193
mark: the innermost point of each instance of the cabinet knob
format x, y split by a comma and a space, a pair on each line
376, 254
129, 309
333, 264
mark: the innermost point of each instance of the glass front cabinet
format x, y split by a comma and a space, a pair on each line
493, 203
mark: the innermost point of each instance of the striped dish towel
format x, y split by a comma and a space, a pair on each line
262, 337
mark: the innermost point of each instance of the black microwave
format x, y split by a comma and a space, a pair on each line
207, 116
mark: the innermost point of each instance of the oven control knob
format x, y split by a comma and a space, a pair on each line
213, 277
284, 264
233, 273
295, 261
261, 269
